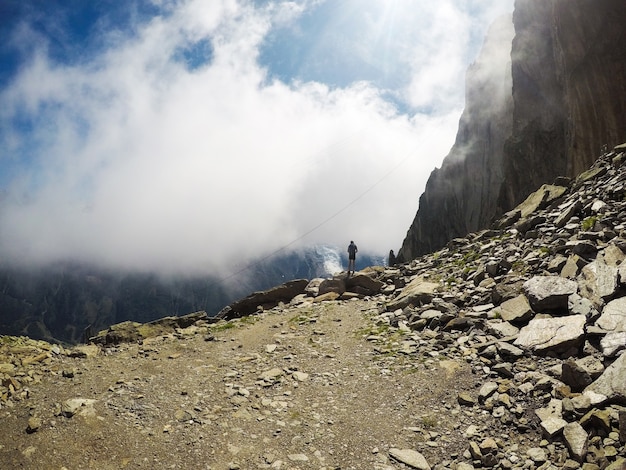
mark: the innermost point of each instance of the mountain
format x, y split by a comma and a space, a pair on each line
542, 109
66, 301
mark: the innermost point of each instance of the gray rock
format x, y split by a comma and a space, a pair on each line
417, 292
265, 299
83, 406
558, 334
488, 389
501, 329
552, 425
549, 293
537, 454
410, 457
598, 280
509, 351
364, 284
613, 316
612, 383
571, 268
516, 310
336, 285
575, 376
578, 305
612, 343
576, 440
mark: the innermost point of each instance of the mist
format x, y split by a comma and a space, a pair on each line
154, 154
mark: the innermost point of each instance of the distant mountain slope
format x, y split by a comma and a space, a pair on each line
545, 111
58, 303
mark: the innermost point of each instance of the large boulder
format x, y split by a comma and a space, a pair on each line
553, 334
264, 299
363, 284
549, 293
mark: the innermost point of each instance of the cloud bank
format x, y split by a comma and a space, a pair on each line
173, 147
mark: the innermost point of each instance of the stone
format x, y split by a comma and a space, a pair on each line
34, 423
549, 293
73, 406
613, 317
300, 376
465, 399
501, 329
417, 292
364, 284
558, 334
516, 310
613, 343
271, 375
410, 457
612, 382
488, 389
508, 350
488, 446
265, 299
552, 425
537, 454
87, 350
578, 305
575, 376
599, 280
576, 440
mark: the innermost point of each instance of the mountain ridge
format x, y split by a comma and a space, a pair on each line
543, 112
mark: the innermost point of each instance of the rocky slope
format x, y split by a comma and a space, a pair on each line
505, 349
544, 111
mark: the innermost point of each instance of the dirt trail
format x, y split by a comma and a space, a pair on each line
299, 388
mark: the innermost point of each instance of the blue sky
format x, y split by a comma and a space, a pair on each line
191, 135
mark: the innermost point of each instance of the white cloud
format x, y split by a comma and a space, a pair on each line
142, 163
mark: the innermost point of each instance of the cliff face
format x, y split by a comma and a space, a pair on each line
545, 110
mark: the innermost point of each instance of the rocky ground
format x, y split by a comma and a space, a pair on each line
322, 386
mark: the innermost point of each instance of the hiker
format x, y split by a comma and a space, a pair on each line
392, 259
352, 251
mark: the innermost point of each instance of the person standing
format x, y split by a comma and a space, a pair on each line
352, 251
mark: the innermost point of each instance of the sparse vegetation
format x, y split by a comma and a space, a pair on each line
429, 421
589, 222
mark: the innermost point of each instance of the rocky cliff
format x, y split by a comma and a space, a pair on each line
541, 112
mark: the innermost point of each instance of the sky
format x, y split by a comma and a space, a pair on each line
194, 136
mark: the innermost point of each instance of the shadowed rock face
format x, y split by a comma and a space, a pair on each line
544, 111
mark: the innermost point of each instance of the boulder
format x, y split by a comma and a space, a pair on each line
363, 284
337, 285
553, 334
549, 293
612, 382
613, 318
265, 299
516, 310
417, 292
576, 440
598, 280
612, 343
